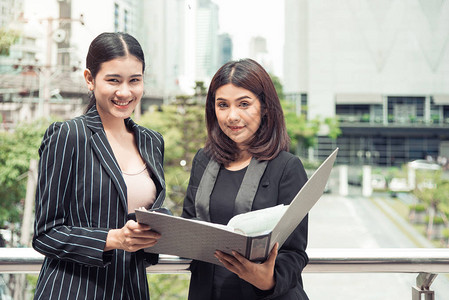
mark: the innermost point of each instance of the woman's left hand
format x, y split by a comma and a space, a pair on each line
259, 275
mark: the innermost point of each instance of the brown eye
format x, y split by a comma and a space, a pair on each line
222, 104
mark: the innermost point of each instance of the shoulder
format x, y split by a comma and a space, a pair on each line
150, 133
146, 132
201, 159
286, 159
64, 128
286, 165
62, 133
201, 155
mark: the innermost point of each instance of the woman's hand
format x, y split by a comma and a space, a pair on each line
259, 275
131, 237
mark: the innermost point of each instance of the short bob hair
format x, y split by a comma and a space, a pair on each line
108, 46
271, 137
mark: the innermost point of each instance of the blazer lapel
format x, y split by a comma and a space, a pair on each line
105, 155
248, 188
202, 198
245, 196
148, 156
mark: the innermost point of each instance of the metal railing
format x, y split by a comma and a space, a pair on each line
426, 262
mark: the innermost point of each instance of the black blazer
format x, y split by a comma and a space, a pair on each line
80, 196
283, 178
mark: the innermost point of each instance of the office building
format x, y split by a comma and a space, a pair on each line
380, 67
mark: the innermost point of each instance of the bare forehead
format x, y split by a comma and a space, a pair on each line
128, 65
232, 92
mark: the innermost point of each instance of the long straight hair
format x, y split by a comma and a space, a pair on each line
108, 46
271, 136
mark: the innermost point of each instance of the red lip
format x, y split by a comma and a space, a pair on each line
235, 128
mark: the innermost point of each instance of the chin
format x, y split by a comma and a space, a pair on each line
123, 115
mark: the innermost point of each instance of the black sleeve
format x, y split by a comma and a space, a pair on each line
198, 166
292, 256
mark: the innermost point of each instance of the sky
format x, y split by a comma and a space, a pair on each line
244, 19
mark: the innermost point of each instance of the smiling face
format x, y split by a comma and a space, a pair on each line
118, 87
238, 113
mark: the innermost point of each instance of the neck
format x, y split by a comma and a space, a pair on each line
241, 162
113, 125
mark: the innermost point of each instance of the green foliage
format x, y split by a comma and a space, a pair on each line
7, 38
418, 207
16, 150
393, 172
333, 124
32, 282
437, 220
278, 86
301, 131
445, 233
168, 286
435, 192
183, 127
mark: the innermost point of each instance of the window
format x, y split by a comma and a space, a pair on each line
405, 109
116, 17
125, 21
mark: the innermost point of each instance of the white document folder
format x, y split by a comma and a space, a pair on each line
198, 240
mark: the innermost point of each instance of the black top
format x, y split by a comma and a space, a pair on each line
224, 193
222, 199
281, 181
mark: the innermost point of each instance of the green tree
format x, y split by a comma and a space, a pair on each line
16, 150
278, 86
183, 127
169, 286
333, 125
302, 132
7, 38
433, 189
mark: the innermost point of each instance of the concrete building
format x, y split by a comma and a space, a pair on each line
258, 51
206, 40
44, 69
380, 67
179, 38
182, 44
165, 43
224, 48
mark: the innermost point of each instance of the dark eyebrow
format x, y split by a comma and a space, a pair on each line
118, 76
238, 99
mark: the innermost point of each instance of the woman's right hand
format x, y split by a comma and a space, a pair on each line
131, 237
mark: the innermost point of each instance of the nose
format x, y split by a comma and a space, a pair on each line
124, 91
234, 114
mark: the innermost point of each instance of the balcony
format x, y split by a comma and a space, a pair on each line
366, 120
426, 263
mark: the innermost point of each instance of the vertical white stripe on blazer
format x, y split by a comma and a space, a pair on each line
81, 195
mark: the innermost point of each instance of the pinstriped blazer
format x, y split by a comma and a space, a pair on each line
80, 196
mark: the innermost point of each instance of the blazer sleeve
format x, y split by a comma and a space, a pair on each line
52, 235
198, 167
292, 256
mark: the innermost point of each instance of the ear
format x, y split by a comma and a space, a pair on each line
89, 79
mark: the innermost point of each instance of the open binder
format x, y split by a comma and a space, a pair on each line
252, 234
